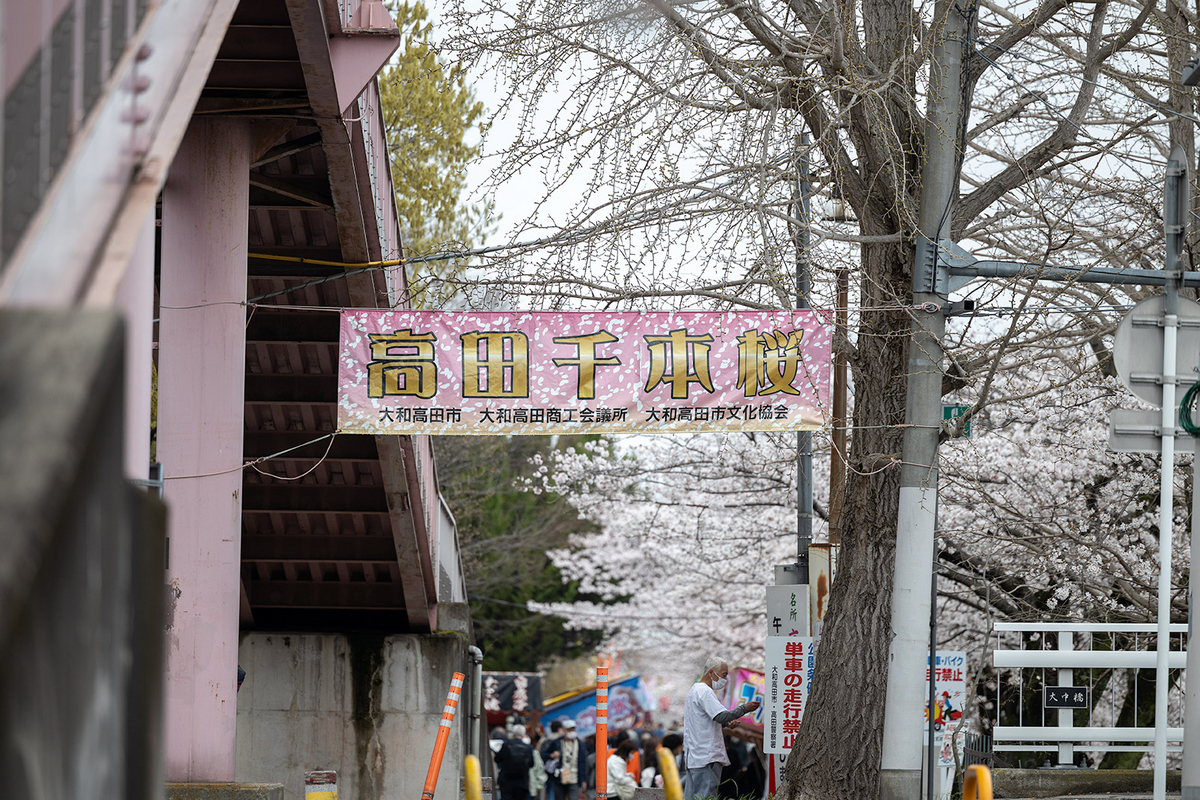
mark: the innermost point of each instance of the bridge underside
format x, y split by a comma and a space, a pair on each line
338, 533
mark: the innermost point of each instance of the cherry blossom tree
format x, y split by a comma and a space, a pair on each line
1038, 520
687, 531
669, 137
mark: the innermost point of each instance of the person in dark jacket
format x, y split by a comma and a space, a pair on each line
572, 780
550, 750
514, 760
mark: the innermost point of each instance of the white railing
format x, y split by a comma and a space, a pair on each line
1036, 734
452, 585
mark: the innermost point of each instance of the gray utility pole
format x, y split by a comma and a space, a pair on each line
804, 483
900, 778
1191, 696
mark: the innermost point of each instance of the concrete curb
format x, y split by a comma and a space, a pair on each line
1034, 783
224, 791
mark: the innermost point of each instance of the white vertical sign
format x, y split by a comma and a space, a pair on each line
790, 664
787, 610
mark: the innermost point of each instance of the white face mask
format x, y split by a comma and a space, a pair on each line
719, 684
571, 734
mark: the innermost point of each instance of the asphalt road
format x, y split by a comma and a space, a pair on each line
1118, 796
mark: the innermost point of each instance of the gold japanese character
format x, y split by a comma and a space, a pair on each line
767, 362
504, 363
674, 367
410, 371
585, 359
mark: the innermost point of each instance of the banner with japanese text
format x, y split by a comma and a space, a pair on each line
484, 373
511, 692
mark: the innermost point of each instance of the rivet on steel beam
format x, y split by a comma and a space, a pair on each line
138, 83
143, 52
137, 147
137, 115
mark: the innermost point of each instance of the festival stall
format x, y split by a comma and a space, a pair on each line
629, 703
512, 694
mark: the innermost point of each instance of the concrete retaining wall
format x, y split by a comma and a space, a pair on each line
81, 576
366, 706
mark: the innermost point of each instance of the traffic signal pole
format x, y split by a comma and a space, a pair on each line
959, 267
1175, 204
900, 778
940, 266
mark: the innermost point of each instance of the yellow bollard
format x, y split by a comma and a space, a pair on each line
473, 778
977, 783
666, 767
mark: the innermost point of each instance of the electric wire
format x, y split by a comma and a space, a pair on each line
969, 50
261, 459
310, 470
1187, 408
929, 308
1164, 111
573, 613
358, 268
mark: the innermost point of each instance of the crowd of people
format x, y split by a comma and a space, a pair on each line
557, 764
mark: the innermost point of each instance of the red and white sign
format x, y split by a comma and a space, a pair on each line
950, 692
776, 763
790, 664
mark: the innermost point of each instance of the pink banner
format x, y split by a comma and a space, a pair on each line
445, 372
745, 685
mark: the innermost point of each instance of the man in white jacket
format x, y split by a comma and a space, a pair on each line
703, 739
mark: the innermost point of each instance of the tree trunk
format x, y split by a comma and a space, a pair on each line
850, 681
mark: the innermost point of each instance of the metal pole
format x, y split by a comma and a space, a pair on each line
1165, 532
1191, 697
476, 657
804, 493
1175, 201
900, 778
1066, 716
